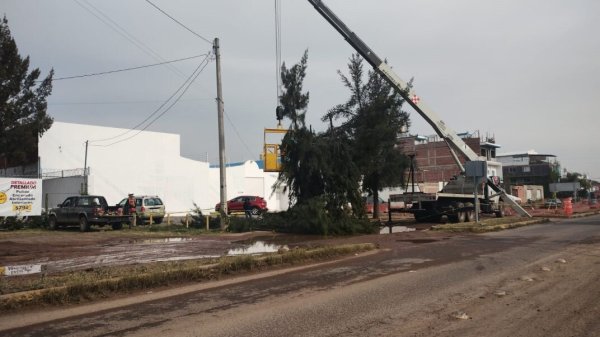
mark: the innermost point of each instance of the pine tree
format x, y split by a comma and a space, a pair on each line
293, 100
23, 116
373, 119
314, 166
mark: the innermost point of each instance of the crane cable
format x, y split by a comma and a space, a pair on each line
279, 109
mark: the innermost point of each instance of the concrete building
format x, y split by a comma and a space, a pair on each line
529, 168
434, 163
149, 163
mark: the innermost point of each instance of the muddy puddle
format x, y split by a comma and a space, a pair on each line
138, 251
396, 229
258, 247
160, 240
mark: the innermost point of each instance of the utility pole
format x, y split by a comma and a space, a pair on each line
85, 172
222, 171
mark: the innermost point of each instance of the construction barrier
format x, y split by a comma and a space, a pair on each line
567, 206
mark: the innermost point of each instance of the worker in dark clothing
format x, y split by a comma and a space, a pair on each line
247, 208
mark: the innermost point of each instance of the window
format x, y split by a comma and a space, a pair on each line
83, 202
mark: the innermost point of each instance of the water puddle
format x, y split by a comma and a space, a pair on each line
257, 247
396, 229
417, 241
160, 240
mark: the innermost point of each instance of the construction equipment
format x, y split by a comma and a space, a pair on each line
271, 154
452, 201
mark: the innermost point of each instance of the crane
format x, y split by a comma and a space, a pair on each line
455, 143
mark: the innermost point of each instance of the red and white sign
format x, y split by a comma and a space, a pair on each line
415, 99
20, 196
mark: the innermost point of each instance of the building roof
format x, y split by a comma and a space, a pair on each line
524, 154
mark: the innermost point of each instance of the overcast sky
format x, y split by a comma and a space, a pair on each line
524, 71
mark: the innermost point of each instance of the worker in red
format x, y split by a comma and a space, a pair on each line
129, 208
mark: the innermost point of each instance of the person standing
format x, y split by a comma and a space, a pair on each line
247, 208
129, 209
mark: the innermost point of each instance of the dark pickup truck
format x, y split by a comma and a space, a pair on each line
86, 210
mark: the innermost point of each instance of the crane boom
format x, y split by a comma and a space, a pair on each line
455, 143
446, 133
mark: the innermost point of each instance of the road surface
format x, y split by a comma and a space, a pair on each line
540, 280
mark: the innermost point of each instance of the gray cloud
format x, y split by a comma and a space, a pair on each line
524, 71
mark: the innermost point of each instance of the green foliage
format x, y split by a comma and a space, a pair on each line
23, 116
16, 223
312, 217
293, 101
373, 120
315, 166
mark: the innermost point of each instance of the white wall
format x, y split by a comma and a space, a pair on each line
56, 190
149, 163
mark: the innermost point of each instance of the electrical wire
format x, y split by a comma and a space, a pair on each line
238, 134
104, 18
187, 83
124, 102
278, 49
126, 69
181, 24
162, 113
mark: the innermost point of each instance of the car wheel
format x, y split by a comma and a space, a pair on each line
84, 225
52, 223
158, 221
255, 211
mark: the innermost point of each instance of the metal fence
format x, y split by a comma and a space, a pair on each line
50, 174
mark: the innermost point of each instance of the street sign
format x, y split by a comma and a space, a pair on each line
21, 270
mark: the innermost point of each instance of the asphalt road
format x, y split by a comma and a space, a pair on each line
540, 280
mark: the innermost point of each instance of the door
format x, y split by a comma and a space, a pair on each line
63, 213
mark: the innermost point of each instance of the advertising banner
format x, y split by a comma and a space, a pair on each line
20, 197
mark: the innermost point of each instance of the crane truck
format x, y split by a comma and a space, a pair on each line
462, 198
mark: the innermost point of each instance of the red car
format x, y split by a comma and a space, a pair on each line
258, 205
383, 206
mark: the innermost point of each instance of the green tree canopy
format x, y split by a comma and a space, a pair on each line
317, 168
373, 119
23, 116
293, 100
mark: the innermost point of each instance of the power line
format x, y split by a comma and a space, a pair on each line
187, 83
123, 32
124, 102
238, 134
181, 24
127, 69
162, 113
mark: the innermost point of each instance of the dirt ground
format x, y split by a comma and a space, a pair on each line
65, 250
444, 285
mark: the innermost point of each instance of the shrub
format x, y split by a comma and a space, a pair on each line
310, 217
15, 223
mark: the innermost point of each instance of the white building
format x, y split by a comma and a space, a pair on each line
149, 163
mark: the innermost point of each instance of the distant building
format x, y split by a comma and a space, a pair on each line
435, 164
529, 168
